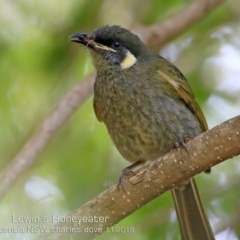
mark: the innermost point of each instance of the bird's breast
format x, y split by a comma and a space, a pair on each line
143, 121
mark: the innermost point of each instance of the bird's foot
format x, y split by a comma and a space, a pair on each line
183, 142
126, 171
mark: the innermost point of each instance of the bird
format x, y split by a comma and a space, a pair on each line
148, 108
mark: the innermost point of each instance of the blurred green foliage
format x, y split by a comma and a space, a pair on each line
39, 66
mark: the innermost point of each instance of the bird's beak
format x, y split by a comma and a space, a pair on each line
80, 38
88, 41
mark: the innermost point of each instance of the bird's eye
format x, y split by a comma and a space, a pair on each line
116, 45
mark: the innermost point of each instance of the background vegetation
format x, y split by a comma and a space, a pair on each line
38, 66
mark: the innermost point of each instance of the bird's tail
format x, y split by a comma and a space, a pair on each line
193, 222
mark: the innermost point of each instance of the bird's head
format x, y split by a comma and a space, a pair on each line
113, 47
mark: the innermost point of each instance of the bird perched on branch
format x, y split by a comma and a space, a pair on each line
148, 108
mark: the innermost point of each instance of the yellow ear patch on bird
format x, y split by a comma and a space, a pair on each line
128, 61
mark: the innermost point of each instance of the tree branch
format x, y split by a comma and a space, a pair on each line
34, 146
159, 34
205, 151
155, 35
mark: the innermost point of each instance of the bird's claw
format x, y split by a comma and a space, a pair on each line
121, 180
183, 142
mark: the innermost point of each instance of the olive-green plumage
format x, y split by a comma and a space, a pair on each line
144, 118
148, 107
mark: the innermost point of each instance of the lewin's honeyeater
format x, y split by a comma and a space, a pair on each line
148, 107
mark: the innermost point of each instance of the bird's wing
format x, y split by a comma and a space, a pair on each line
181, 89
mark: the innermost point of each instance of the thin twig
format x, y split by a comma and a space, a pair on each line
34, 146
157, 35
